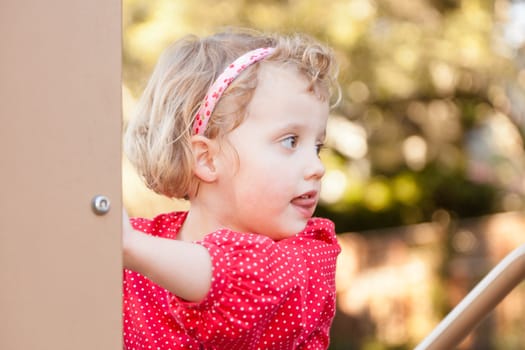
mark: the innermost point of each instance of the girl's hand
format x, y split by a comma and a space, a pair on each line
127, 235
126, 225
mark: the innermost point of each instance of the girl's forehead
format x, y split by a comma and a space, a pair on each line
288, 76
274, 76
283, 96
271, 68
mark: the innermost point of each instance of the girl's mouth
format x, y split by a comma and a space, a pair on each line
306, 203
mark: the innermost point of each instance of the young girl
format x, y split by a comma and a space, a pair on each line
234, 123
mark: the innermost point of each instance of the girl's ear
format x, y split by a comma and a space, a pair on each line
204, 158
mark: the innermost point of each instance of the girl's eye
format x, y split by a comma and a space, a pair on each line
289, 142
319, 147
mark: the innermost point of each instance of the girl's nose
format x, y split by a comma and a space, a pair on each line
315, 168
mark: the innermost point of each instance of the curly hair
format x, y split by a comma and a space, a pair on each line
157, 139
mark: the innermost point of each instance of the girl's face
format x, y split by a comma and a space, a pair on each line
274, 188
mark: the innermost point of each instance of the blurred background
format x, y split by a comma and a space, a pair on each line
425, 156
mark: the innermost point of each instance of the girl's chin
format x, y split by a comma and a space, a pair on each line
291, 230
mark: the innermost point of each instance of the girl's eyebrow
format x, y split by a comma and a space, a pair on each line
292, 126
288, 127
297, 127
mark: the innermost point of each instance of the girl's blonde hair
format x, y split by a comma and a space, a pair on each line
157, 139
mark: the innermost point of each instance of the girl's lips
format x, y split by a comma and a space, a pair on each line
306, 203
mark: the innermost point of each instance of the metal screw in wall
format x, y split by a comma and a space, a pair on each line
100, 205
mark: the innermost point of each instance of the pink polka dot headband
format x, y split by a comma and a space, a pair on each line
221, 84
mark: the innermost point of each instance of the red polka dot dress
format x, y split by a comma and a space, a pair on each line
264, 294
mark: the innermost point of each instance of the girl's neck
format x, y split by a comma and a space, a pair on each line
199, 222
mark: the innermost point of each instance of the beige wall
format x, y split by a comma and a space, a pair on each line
60, 107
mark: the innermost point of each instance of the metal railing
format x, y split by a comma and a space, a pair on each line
499, 282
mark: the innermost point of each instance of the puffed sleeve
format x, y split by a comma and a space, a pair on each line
251, 277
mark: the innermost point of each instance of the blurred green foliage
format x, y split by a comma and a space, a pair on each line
430, 95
